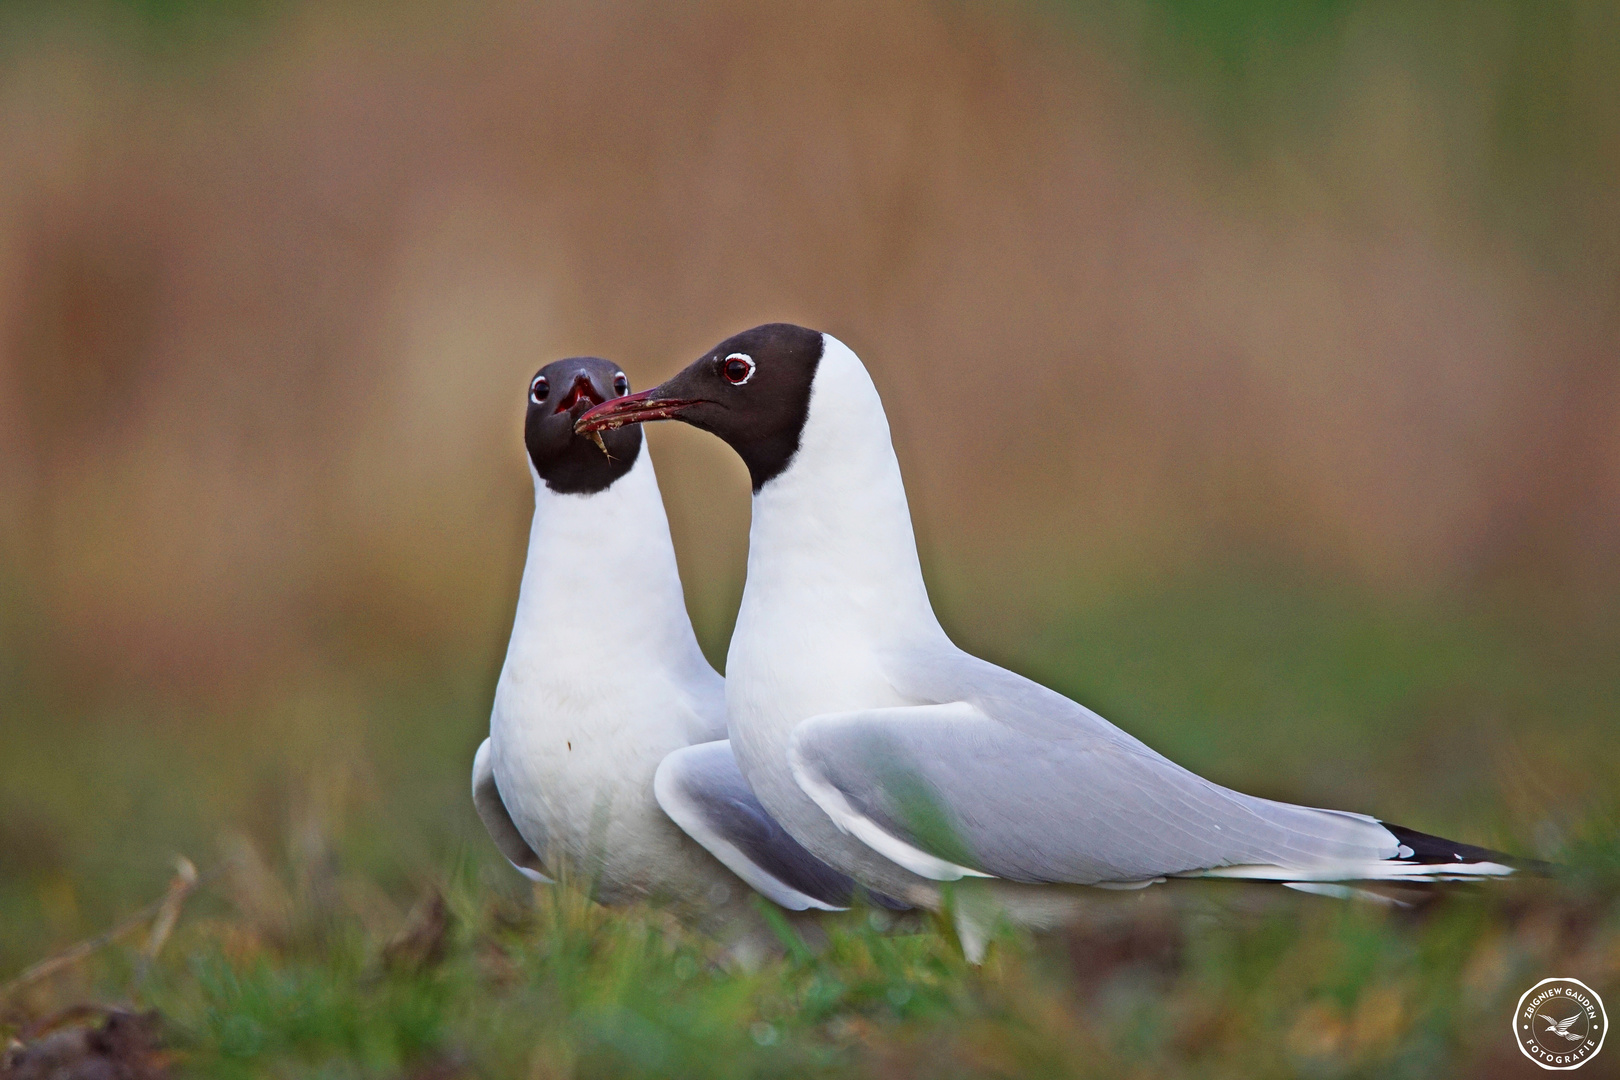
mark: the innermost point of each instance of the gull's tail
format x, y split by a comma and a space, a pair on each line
1420, 859
1447, 858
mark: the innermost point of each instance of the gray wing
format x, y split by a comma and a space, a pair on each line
1007, 778
703, 791
487, 799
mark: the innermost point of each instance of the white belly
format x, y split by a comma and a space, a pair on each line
581, 794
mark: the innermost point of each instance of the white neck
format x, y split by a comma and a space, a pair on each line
831, 547
601, 594
603, 679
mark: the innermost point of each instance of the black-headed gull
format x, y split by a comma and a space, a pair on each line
902, 760
606, 714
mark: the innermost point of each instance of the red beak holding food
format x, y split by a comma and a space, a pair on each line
631, 409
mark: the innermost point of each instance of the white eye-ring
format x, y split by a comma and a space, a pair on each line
737, 368
539, 389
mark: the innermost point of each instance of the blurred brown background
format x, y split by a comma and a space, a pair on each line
1325, 304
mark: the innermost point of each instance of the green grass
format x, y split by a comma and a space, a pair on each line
1197, 980
338, 801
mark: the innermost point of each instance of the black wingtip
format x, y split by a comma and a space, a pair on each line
1438, 851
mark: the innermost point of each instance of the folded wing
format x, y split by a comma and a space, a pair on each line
492, 811
703, 791
1007, 778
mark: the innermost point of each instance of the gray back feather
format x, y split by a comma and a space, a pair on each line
1022, 783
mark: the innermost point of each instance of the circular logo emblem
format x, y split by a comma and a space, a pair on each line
1560, 1023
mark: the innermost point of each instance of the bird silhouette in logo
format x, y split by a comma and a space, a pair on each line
1561, 1027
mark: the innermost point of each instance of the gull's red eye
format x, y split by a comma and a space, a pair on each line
621, 385
738, 368
539, 389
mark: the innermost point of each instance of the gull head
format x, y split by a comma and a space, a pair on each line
752, 390
560, 393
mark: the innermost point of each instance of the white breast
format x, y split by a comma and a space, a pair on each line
602, 678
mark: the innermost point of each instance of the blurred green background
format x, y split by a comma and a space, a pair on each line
1254, 367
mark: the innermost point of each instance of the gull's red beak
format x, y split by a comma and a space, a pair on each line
631, 409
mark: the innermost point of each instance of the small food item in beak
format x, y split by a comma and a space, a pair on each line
632, 409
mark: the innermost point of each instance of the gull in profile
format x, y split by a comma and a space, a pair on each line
606, 753
902, 760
